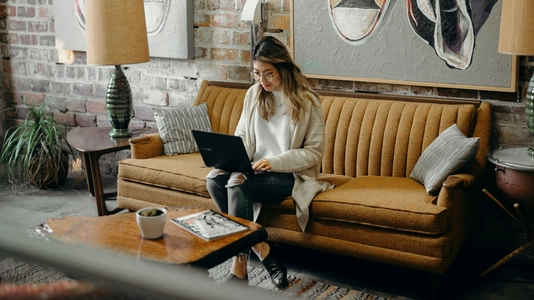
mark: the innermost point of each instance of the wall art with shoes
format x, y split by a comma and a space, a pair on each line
440, 43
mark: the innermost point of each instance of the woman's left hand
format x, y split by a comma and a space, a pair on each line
262, 165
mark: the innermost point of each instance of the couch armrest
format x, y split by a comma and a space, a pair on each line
146, 146
459, 181
453, 187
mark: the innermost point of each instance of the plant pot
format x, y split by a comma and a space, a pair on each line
49, 174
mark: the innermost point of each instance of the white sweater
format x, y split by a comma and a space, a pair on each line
303, 158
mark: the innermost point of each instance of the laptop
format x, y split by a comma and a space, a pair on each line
223, 151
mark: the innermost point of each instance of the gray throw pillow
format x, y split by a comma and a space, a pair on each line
175, 125
447, 154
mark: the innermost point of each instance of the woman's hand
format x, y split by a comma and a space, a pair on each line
262, 165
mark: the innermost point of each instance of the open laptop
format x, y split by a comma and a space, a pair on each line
223, 151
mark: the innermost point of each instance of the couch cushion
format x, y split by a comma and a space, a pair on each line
387, 202
448, 153
175, 125
185, 172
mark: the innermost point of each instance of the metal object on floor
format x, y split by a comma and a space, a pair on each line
514, 174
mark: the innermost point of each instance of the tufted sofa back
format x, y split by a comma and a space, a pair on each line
385, 138
368, 136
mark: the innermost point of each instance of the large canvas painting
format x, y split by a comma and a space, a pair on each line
169, 26
442, 43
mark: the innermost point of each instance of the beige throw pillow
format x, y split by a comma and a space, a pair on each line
175, 125
447, 154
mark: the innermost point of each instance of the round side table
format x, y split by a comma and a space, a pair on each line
514, 175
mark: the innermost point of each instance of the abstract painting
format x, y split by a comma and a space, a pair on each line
444, 43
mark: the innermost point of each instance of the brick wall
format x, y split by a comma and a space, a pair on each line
34, 72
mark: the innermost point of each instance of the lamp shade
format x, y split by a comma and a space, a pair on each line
116, 32
517, 27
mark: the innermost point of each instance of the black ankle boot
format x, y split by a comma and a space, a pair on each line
277, 271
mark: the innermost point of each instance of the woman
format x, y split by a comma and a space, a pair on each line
282, 128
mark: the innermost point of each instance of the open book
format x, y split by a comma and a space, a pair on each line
209, 224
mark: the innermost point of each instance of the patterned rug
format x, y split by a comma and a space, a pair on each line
298, 288
20, 280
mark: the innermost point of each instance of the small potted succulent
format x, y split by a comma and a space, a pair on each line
34, 152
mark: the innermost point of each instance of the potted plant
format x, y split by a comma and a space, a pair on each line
33, 152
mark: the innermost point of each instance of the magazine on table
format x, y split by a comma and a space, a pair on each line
209, 224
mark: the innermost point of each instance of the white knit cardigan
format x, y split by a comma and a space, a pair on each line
303, 159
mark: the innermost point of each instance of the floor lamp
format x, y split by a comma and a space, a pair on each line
116, 35
517, 38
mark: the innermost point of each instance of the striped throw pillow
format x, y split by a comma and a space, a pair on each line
175, 125
447, 154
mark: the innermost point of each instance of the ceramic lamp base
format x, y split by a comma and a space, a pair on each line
119, 104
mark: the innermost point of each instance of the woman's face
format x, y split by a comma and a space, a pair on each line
267, 72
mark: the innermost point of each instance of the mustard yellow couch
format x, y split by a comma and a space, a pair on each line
376, 212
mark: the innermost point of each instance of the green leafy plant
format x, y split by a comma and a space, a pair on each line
33, 152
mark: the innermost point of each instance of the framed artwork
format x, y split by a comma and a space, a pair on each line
438, 43
169, 27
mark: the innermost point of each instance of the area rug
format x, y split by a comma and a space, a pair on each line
21, 280
298, 288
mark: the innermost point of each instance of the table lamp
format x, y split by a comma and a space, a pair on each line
517, 38
116, 35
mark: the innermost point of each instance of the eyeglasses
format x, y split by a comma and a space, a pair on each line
267, 76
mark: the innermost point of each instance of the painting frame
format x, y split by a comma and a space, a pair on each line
485, 72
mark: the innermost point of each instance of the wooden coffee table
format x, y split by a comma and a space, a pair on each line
120, 233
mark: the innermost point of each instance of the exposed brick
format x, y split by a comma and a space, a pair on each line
103, 121
47, 40
221, 37
160, 83
241, 38
223, 54
238, 73
76, 105
33, 99
201, 20
490, 95
67, 118
200, 52
184, 68
29, 39
96, 106
58, 103
60, 87
457, 93
82, 89
335, 85
26, 12
155, 97
144, 113
244, 55
37, 26
16, 25
44, 12
225, 20
85, 120
40, 85
212, 4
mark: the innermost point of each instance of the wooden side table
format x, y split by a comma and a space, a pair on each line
514, 172
94, 142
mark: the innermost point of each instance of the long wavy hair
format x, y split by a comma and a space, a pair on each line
295, 87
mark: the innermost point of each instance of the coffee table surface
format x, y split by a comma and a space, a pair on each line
120, 233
